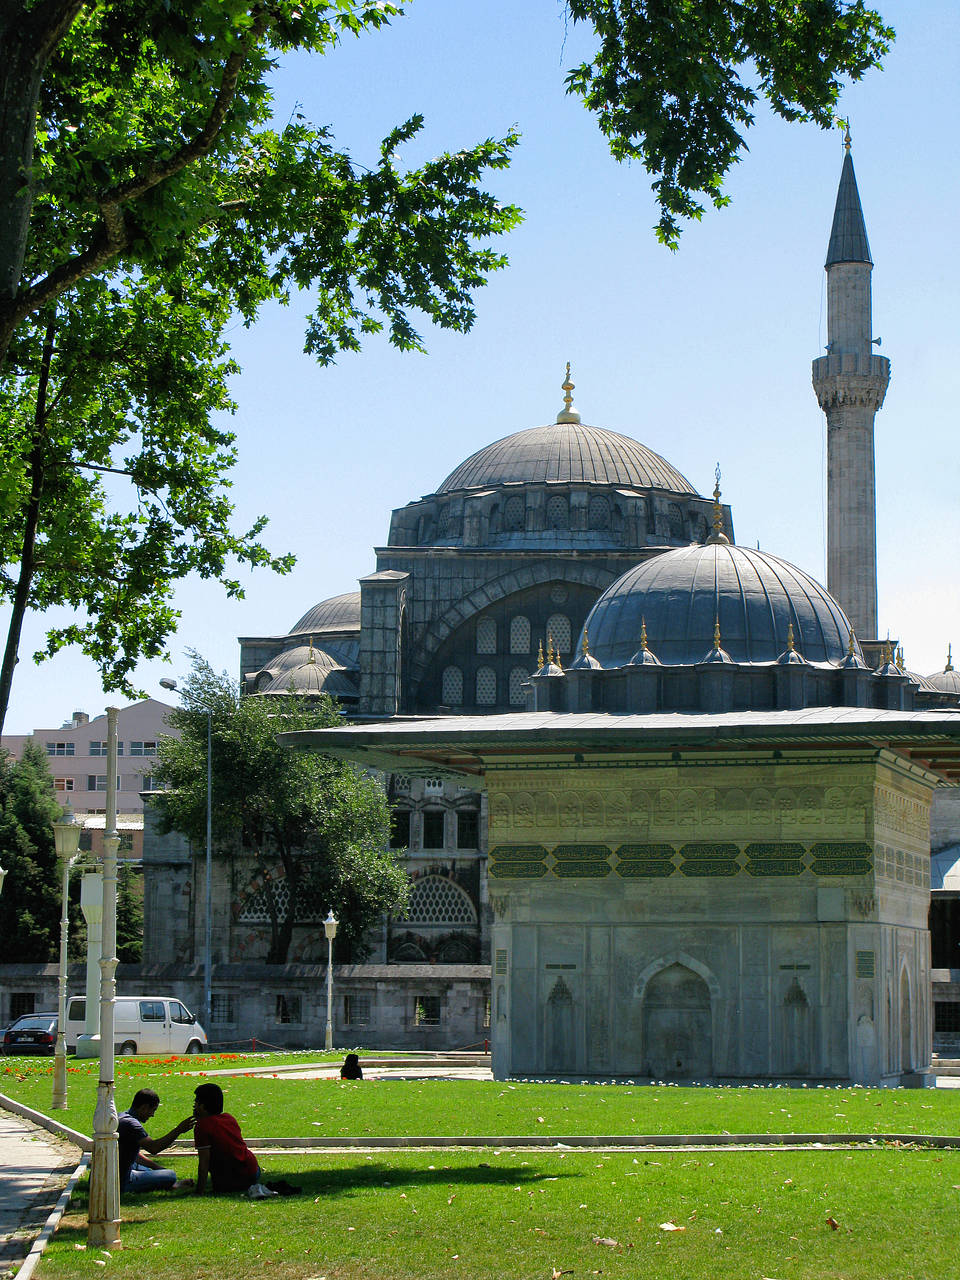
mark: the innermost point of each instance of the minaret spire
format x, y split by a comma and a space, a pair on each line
850, 383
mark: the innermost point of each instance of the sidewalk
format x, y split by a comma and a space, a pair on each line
34, 1169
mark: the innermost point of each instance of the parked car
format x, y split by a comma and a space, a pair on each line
142, 1024
31, 1033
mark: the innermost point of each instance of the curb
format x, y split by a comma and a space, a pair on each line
81, 1140
28, 1266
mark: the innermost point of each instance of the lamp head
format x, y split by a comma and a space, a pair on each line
167, 683
330, 925
66, 834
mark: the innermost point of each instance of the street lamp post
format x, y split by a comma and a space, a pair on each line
330, 929
66, 833
2, 874
103, 1223
208, 894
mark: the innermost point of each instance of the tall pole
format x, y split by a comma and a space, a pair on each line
103, 1226
208, 930
67, 835
330, 929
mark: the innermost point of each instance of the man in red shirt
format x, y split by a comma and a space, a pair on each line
221, 1151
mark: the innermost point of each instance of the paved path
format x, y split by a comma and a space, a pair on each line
34, 1169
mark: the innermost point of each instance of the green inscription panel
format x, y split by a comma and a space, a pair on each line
841, 859
581, 852
516, 870
581, 870
702, 859
518, 852
783, 859
644, 869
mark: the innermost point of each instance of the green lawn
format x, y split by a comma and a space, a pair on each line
276, 1106
500, 1215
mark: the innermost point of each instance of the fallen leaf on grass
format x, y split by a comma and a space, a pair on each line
539, 1119
671, 1226
832, 1222
555, 1274
607, 1241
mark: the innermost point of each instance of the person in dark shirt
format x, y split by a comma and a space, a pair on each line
137, 1171
222, 1154
351, 1069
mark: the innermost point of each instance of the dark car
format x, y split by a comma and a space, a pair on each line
33, 1033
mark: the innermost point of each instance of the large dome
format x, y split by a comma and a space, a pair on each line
571, 452
681, 594
339, 613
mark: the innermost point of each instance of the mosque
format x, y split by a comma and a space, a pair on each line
673, 791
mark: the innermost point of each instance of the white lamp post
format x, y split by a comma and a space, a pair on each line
208, 891
103, 1223
66, 833
2, 874
330, 929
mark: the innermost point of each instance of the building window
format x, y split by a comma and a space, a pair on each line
63, 784
486, 636
356, 1009
558, 512
99, 748
558, 630
143, 748
222, 1011
486, 687
427, 1011
520, 634
98, 782
288, 1009
598, 513
513, 513
401, 783
485, 1024
433, 786
433, 829
451, 693
468, 829
518, 677
21, 1003
437, 900
146, 783
61, 748
946, 1016
400, 829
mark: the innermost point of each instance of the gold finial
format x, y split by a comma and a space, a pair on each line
310, 656
540, 657
847, 140
790, 637
568, 413
584, 646
887, 652
718, 535
643, 635
716, 632
850, 644
900, 658
949, 666
550, 649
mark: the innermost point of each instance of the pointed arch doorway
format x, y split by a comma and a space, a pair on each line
677, 1025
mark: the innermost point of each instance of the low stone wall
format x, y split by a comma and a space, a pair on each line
376, 1006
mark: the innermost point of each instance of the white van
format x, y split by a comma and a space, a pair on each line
142, 1024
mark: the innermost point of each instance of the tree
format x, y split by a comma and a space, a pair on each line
674, 83
30, 901
317, 825
129, 915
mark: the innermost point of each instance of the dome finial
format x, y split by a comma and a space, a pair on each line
643, 635
540, 657
949, 666
790, 640
716, 632
718, 535
568, 413
311, 657
585, 644
847, 140
549, 649
851, 643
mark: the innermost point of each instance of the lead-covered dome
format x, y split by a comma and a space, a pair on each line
567, 452
339, 613
680, 595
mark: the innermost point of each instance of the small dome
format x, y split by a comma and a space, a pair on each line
306, 670
339, 613
946, 681
683, 594
571, 452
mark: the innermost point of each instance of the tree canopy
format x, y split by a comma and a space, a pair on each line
318, 825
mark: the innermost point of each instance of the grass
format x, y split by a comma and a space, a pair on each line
745, 1215
276, 1106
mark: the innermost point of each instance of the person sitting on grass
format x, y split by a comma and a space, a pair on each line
137, 1171
221, 1151
351, 1069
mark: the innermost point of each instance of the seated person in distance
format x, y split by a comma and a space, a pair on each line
351, 1069
137, 1171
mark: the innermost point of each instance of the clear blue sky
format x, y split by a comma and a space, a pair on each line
703, 355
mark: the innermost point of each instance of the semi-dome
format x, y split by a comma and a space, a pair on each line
567, 452
681, 595
339, 613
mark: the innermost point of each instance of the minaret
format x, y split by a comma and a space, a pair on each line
850, 382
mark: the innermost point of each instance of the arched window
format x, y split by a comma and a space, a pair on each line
452, 692
558, 512
437, 900
513, 513
517, 678
598, 514
520, 634
486, 687
443, 522
558, 629
675, 520
486, 636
